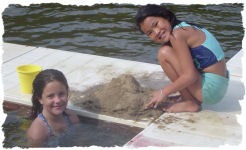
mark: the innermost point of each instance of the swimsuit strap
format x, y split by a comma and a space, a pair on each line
41, 116
65, 116
182, 24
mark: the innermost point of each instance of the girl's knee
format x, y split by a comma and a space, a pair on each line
165, 53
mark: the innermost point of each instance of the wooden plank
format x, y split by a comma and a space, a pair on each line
203, 129
235, 64
144, 141
12, 51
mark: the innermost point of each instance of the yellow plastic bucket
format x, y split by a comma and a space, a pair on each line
27, 74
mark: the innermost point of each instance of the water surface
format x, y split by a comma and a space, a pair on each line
108, 29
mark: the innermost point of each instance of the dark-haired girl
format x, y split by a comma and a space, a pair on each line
190, 56
49, 99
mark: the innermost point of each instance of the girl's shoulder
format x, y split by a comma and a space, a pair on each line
37, 132
186, 34
186, 30
37, 127
180, 35
73, 117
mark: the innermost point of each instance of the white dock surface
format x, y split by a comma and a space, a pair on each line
215, 125
81, 70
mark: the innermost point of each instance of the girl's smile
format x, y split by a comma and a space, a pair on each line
54, 98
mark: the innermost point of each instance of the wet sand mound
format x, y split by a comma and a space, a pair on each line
123, 97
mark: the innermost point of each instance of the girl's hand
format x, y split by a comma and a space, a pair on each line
157, 98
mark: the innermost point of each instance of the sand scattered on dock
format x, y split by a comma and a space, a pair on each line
122, 97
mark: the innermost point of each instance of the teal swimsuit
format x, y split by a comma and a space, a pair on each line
208, 53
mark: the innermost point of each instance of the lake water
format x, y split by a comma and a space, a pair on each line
108, 29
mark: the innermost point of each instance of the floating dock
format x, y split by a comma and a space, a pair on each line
215, 125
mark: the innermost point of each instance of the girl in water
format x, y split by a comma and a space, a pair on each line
49, 99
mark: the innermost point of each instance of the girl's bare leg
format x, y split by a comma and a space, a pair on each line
192, 95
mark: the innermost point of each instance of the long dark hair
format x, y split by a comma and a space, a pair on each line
156, 11
41, 80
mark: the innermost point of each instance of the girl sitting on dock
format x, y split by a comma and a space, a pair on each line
49, 99
190, 56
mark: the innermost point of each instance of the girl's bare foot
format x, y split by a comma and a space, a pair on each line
170, 101
183, 106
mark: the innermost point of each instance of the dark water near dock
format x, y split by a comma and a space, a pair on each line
87, 132
108, 29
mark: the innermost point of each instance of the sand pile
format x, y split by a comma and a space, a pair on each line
123, 97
